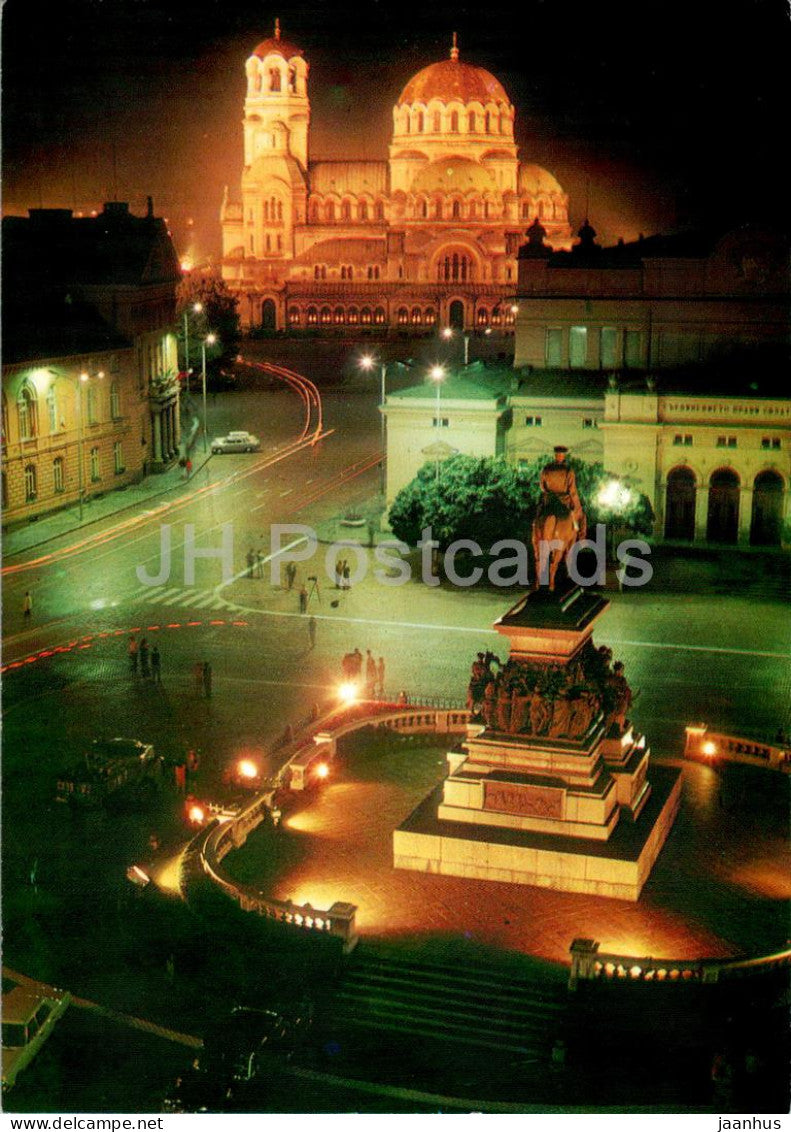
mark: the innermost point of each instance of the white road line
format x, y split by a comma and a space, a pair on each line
283, 494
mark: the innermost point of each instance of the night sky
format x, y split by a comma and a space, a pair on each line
668, 114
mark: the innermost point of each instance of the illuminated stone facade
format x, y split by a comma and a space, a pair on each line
428, 237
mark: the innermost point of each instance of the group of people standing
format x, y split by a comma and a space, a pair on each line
366, 671
343, 575
147, 661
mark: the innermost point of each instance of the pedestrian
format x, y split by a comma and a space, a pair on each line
193, 760
347, 585
180, 777
339, 574
188, 467
197, 675
132, 651
303, 600
27, 605
357, 657
259, 564
156, 671
145, 671
347, 666
291, 574
380, 676
312, 632
370, 675
207, 675
250, 562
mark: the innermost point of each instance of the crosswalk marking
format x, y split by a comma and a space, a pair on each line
183, 598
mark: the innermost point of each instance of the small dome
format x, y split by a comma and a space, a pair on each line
277, 46
453, 174
452, 80
534, 179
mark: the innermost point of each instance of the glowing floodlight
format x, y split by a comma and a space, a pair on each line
196, 815
322, 770
247, 768
709, 748
347, 693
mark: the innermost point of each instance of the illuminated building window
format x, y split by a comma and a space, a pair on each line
95, 473
274, 78
429, 316
31, 482
346, 211
362, 211
553, 347
440, 422
379, 211
402, 316
423, 209
525, 211
770, 442
588, 422
293, 316
578, 346
456, 210
354, 316
608, 347
380, 316
497, 317
27, 413
683, 440
471, 121
417, 316
726, 442
52, 409
266, 212
312, 316
115, 401
533, 422
421, 123
437, 122
454, 122
487, 122
339, 315
118, 457
483, 316
486, 210
632, 352
329, 212
473, 210
454, 268
365, 316
57, 475
326, 316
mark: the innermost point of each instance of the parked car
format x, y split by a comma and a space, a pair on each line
30, 1012
236, 442
123, 769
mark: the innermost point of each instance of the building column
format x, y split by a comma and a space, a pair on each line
745, 515
156, 435
701, 513
177, 424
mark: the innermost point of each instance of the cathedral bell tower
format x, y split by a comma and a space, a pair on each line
276, 109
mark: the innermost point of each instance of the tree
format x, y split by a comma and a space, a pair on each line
486, 499
218, 315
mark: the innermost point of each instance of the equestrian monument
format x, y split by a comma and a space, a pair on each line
551, 786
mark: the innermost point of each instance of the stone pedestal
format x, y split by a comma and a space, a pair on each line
551, 786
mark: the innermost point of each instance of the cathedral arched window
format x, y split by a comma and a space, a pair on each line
280, 210
380, 316
268, 242
407, 123
293, 316
312, 316
471, 121
326, 316
525, 211
454, 122
455, 266
292, 80
346, 211
417, 316
540, 210
438, 209
437, 122
421, 122
487, 122
329, 212
27, 413
456, 210
279, 243
365, 316
353, 316
274, 78
402, 316
362, 211
379, 211
338, 316
472, 210
422, 209
266, 211
429, 316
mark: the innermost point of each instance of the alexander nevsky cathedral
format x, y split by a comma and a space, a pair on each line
428, 237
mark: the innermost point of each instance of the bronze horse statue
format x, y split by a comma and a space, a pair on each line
553, 536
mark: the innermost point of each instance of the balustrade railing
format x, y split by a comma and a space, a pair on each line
588, 963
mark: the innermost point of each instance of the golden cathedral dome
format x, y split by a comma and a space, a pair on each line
277, 46
534, 179
454, 174
451, 81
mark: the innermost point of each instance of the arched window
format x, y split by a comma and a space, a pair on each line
402, 316
365, 316
268, 242
354, 316
456, 210
362, 210
483, 316
292, 80
379, 211
680, 504
471, 121
279, 242
326, 316
57, 475
486, 210
329, 212
280, 210
438, 209
379, 316
407, 123
422, 209
338, 316
346, 211
437, 122
31, 482
316, 272
314, 212
266, 211
417, 316
27, 413
293, 316
52, 410
421, 122
95, 469
454, 122
312, 316
487, 121
274, 78
525, 211
472, 210
455, 267
429, 316
115, 400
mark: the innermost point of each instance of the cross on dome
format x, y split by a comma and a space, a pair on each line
277, 28
454, 51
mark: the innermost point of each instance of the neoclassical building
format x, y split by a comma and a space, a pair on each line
428, 236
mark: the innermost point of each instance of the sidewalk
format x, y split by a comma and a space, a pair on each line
49, 527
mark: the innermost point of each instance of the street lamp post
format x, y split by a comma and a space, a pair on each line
437, 373
209, 340
367, 363
197, 308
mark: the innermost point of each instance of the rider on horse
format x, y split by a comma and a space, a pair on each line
559, 493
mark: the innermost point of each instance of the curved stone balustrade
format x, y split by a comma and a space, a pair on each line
712, 748
587, 962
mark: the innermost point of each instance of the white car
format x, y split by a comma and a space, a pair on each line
30, 1012
236, 442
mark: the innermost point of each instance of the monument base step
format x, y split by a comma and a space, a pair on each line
616, 868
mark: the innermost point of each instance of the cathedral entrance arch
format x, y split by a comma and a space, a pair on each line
723, 515
767, 519
680, 504
268, 315
456, 315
